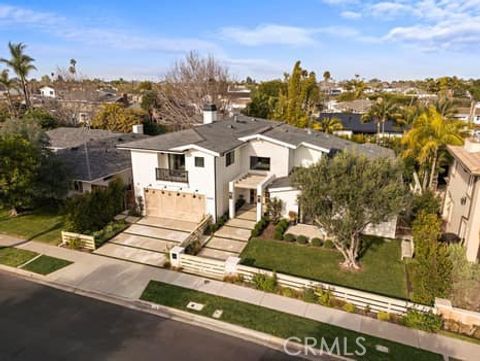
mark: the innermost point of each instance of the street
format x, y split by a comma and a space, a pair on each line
43, 323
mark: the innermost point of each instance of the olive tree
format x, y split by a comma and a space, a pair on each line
345, 194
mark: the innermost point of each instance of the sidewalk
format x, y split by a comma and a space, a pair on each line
125, 280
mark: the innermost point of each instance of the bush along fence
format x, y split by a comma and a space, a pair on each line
383, 308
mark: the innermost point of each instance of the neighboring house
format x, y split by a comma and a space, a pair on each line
464, 114
81, 104
354, 106
47, 92
206, 169
353, 124
91, 156
461, 209
239, 97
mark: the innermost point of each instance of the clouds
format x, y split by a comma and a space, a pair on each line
269, 34
61, 27
429, 25
274, 34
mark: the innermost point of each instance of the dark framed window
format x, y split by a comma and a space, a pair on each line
176, 161
199, 162
259, 163
229, 158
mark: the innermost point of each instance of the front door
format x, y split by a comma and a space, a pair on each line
253, 196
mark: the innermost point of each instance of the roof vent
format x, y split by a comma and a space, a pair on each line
235, 118
254, 119
230, 126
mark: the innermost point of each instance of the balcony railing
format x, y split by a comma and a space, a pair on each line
171, 175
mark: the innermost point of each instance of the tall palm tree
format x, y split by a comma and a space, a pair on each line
9, 84
328, 125
381, 111
21, 64
426, 142
445, 107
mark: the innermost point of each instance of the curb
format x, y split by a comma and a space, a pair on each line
246, 334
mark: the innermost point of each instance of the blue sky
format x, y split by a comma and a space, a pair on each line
394, 39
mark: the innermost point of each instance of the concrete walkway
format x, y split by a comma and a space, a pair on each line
126, 280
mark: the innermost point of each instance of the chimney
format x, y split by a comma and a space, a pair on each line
137, 129
209, 113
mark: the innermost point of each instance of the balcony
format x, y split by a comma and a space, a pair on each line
171, 175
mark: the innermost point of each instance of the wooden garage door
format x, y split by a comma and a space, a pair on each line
176, 205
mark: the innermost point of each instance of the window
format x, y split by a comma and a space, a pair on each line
176, 161
78, 186
229, 158
199, 162
259, 163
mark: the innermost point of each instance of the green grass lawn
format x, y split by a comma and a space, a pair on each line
46, 264
40, 225
277, 323
15, 257
382, 271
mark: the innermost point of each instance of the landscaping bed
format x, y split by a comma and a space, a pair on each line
275, 322
382, 271
40, 225
46, 264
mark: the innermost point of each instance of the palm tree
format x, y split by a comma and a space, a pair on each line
445, 107
329, 125
21, 64
381, 111
426, 142
9, 84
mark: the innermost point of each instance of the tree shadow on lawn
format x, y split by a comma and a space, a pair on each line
370, 243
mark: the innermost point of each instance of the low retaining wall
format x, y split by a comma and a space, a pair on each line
88, 242
445, 308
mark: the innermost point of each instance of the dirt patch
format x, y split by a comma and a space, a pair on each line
268, 233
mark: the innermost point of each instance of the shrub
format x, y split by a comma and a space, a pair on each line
109, 231
288, 292
302, 239
309, 295
259, 227
75, 243
280, 229
289, 237
264, 282
328, 244
349, 307
274, 209
425, 321
167, 264
325, 297
383, 316
90, 212
316, 242
194, 247
239, 203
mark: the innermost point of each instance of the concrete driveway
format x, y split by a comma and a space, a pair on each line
148, 241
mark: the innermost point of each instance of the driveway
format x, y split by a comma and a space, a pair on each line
148, 240
42, 323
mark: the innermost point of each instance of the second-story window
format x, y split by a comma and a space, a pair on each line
259, 163
199, 162
229, 158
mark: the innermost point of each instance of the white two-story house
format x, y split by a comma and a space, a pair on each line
204, 170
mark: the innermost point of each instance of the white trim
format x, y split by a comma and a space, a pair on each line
196, 147
282, 189
268, 139
316, 147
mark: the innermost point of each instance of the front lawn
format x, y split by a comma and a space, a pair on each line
382, 271
40, 225
278, 323
46, 264
15, 257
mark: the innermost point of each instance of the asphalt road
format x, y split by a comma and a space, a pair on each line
43, 323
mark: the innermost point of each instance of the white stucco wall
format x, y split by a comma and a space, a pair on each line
200, 180
226, 174
305, 157
279, 156
288, 197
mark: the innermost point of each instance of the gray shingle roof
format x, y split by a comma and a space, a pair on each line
223, 136
104, 157
64, 137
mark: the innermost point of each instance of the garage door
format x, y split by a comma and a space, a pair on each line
176, 205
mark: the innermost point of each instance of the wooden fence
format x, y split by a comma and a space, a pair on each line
87, 242
217, 269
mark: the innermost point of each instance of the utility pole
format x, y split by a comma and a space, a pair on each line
86, 129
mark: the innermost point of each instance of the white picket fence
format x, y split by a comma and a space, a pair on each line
217, 269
